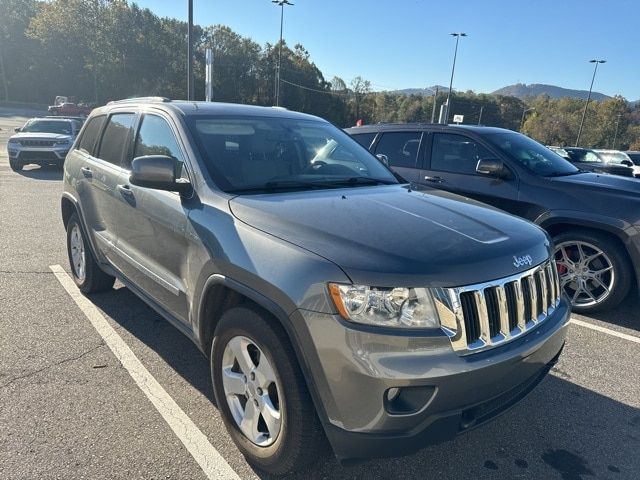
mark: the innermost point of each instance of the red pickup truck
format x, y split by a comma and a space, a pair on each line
64, 106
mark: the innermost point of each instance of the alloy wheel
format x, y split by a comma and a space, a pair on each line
252, 391
78, 259
586, 272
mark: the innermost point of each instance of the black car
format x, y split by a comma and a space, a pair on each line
587, 159
635, 158
593, 219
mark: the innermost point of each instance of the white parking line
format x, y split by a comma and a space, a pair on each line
211, 462
608, 331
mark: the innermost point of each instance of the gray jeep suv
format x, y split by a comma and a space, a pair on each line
334, 303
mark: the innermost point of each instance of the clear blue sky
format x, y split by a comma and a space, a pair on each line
406, 43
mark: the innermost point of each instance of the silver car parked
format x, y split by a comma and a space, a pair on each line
336, 305
42, 141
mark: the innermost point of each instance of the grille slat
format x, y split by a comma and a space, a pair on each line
493, 313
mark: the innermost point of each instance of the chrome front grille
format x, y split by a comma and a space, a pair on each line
477, 317
37, 143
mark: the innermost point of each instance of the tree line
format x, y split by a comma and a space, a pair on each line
101, 50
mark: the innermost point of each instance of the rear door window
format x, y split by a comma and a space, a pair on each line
115, 138
364, 139
90, 134
401, 148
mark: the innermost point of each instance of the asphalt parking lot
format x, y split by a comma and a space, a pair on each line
69, 408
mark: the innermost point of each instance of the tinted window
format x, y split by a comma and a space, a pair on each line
364, 139
115, 137
401, 148
155, 137
635, 157
530, 154
456, 153
90, 134
60, 127
247, 154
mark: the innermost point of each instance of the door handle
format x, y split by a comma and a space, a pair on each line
86, 171
126, 191
434, 179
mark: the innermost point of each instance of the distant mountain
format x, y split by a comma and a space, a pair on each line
521, 90
426, 92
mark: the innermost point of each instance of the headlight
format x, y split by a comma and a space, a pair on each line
385, 307
15, 141
61, 143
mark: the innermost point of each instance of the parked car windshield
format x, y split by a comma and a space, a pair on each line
587, 156
48, 126
614, 157
260, 154
531, 155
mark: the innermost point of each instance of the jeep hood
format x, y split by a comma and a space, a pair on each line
392, 236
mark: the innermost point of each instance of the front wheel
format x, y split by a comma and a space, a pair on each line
85, 270
594, 272
261, 393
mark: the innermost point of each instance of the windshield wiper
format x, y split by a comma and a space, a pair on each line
564, 174
311, 185
358, 181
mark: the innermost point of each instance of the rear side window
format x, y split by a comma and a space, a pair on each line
401, 148
90, 134
115, 137
456, 153
364, 139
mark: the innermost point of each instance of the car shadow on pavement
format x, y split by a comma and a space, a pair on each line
149, 327
42, 173
627, 314
561, 430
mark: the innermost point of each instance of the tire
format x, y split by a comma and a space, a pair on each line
300, 440
616, 276
15, 165
84, 269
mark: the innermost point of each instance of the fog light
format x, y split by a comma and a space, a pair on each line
392, 394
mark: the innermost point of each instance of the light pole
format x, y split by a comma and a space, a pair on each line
615, 136
281, 4
453, 69
584, 112
524, 112
190, 93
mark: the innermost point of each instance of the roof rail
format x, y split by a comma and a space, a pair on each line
140, 99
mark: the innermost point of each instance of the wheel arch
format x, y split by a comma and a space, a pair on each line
613, 233
221, 293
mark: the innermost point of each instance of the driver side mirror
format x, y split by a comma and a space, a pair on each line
628, 163
17, 129
383, 158
158, 172
493, 167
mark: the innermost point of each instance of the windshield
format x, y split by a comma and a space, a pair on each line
48, 126
258, 154
587, 156
531, 155
613, 157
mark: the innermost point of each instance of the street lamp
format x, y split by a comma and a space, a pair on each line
615, 136
281, 4
584, 113
453, 69
190, 83
524, 112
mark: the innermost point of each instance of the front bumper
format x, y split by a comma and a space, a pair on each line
353, 368
26, 155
